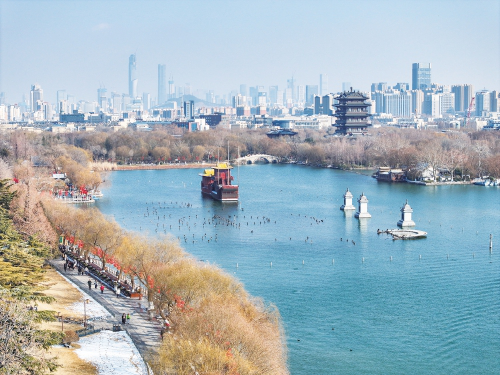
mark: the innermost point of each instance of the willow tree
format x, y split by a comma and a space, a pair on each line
102, 234
148, 257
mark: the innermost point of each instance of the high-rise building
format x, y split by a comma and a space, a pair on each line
273, 95
162, 84
146, 101
189, 109
463, 96
323, 84
243, 90
417, 101
483, 105
171, 88
380, 86
402, 86
62, 97
102, 100
421, 76
36, 94
323, 105
494, 101
398, 103
116, 102
301, 94
132, 77
291, 85
311, 90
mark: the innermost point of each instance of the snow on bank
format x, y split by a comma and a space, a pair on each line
93, 309
113, 353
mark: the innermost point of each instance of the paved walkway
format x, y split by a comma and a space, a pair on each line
144, 333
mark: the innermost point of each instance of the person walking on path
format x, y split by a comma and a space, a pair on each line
124, 318
102, 289
95, 284
128, 318
117, 290
90, 284
65, 266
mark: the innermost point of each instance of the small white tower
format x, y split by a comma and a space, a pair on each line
347, 201
406, 220
363, 207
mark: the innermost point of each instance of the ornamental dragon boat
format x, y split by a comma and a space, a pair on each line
216, 183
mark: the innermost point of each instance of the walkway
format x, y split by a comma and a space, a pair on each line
144, 333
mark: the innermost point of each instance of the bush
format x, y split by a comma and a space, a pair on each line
70, 336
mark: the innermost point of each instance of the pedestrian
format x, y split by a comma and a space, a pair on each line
102, 289
117, 290
124, 318
128, 318
90, 284
79, 269
65, 267
95, 284
162, 332
86, 270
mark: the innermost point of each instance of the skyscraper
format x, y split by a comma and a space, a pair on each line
162, 84
243, 90
171, 88
463, 96
323, 84
132, 77
311, 90
102, 100
36, 94
421, 76
189, 109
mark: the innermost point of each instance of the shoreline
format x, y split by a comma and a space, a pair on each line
210, 165
162, 166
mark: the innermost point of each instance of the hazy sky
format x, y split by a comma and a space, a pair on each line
218, 44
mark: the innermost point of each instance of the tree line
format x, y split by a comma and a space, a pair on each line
216, 326
460, 153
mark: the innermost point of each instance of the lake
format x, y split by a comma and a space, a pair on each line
352, 301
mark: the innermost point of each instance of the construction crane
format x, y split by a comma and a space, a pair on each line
471, 104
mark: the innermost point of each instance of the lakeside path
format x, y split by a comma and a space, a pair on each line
144, 333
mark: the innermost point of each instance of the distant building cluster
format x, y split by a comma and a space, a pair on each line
294, 106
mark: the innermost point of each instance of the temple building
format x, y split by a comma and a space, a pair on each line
351, 112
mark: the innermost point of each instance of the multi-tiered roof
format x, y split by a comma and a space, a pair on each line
351, 112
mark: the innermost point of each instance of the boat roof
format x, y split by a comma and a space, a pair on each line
207, 172
222, 166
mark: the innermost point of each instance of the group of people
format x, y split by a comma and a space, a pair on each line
125, 318
89, 283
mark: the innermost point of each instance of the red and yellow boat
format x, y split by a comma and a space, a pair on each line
216, 182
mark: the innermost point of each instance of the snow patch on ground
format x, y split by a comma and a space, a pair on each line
113, 353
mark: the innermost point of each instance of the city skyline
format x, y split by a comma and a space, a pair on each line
223, 45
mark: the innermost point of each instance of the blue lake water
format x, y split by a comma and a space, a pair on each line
347, 308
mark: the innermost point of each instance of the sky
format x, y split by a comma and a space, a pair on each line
81, 45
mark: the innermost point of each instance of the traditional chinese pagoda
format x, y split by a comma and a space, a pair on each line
351, 112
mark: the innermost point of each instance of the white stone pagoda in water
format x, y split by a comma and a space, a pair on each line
363, 207
406, 220
347, 201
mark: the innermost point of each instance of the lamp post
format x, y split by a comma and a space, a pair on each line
85, 312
